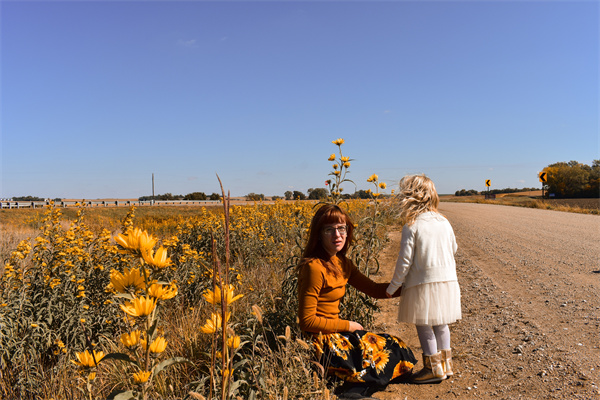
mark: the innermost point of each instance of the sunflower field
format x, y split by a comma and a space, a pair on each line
201, 306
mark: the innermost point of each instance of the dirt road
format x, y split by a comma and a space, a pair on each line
530, 284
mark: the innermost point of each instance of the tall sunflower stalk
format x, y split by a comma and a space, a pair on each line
374, 219
142, 289
340, 169
223, 335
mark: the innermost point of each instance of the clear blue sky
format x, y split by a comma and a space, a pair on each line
98, 96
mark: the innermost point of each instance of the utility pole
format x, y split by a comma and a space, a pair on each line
153, 188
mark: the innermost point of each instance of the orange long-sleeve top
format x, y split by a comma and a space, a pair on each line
320, 292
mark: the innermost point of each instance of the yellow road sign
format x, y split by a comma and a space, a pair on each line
543, 176
488, 183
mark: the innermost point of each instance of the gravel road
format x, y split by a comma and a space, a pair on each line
530, 285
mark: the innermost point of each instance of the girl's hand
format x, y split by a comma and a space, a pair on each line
389, 296
355, 326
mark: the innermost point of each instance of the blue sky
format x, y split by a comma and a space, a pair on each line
98, 96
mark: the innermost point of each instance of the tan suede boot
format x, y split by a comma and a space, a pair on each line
447, 362
432, 371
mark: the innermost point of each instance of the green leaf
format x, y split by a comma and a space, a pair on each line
175, 360
119, 356
124, 296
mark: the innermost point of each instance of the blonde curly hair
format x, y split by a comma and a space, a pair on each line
417, 195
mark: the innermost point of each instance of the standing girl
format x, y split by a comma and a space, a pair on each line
426, 271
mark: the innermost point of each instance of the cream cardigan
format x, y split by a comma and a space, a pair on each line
426, 253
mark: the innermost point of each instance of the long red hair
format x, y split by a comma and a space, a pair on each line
326, 214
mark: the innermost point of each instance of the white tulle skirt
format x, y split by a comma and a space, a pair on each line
430, 304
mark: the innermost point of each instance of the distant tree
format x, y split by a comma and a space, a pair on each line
511, 190
274, 198
28, 198
215, 196
298, 195
195, 196
288, 195
361, 194
166, 196
573, 179
317, 194
254, 197
463, 192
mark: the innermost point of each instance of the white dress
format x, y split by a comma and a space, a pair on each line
426, 270
436, 303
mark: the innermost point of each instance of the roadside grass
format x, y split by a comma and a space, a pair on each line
581, 206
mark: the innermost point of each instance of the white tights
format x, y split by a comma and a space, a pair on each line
433, 339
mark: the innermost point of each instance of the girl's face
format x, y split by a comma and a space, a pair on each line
333, 237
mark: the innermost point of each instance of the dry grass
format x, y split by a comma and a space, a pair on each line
532, 200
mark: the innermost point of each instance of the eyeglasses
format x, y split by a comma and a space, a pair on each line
330, 231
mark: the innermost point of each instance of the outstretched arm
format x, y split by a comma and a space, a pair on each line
405, 259
366, 285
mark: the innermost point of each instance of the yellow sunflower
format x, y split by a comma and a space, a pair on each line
373, 342
380, 360
85, 359
402, 368
129, 279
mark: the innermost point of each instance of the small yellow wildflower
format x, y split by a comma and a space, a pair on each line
141, 306
130, 339
157, 259
136, 241
373, 178
215, 297
233, 342
141, 377
129, 279
214, 323
162, 292
331, 157
382, 185
338, 142
158, 345
86, 359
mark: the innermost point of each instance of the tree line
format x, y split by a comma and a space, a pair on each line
472, 192
189, 196
563, 180
311, 194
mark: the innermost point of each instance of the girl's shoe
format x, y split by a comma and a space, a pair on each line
447, 362
432, 372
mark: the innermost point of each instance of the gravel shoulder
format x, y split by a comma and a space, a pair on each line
530, 285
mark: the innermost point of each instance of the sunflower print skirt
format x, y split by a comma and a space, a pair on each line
363, 356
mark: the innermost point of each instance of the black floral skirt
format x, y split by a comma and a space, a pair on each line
363, 356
